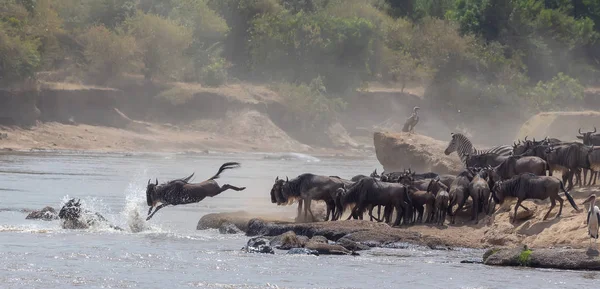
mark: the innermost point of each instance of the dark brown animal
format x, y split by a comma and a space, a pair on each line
516, 165
308, 187
180, 192
370, 191
480, 194
441, 207
530, 186
459, 193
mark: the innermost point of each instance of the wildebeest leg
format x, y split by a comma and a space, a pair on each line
379, 212
150, 210
516, 208
330, 209
552, 204
461, 204
526, 209
398, 214
157, 208
560, 200
307, 210
300, 201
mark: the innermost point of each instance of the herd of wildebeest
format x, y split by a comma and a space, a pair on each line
521, 171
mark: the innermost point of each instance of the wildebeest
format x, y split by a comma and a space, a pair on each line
484, 160
359, 177
308, 187
529, 186
516, 165
568, 158
594, 159
75, 217
422, 201
480, 194
459, 193
370, 191
589, 138
441, 207
180, 192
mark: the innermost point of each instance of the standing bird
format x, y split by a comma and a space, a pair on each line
593, 218
411, 122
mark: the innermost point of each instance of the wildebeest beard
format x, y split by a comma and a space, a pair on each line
290, 191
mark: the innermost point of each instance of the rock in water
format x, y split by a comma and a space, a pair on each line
46, 214
289, 240
351, 245
229, 228
302, 251
259, 245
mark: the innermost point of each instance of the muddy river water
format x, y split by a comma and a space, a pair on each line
171, 253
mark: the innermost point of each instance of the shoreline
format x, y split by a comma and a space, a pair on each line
54, 137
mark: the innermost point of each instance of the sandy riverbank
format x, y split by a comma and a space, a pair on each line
496, 231
150, 138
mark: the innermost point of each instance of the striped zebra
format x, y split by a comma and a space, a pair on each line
463, 146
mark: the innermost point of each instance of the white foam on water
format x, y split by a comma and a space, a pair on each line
135, 205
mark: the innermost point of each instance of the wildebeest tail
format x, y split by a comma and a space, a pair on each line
569, 198
225, 166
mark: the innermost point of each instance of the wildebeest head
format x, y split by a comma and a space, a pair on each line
276, 191
150, 188
374, 174
588, 138
71, 210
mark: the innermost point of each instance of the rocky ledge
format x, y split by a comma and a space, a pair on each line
353, 235
555, 258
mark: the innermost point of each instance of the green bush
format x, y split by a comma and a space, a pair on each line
214, 74
559, 93
107, 53
309, 103
162, 43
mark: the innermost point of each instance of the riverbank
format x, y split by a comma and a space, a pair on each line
150, 137
495, 231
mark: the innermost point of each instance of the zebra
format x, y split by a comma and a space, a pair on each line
463, 147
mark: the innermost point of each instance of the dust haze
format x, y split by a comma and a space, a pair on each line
278, 76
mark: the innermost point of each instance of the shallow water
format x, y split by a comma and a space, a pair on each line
170, 253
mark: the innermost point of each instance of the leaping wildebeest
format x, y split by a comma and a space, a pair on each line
180, 192
529, 186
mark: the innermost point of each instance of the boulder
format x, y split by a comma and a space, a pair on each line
555, 258
328, 249
351, 245
228, 228
259, 245
46, 214
302, 251
289, 240
399, 151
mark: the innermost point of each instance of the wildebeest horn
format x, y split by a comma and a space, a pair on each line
157, 181
277, 178
580, 131
286, 179
148, 181
594, 130
525, 138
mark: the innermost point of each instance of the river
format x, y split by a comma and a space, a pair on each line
171, 253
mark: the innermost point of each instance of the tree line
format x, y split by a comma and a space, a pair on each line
538, 54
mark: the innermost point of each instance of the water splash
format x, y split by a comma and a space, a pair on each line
135, 203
